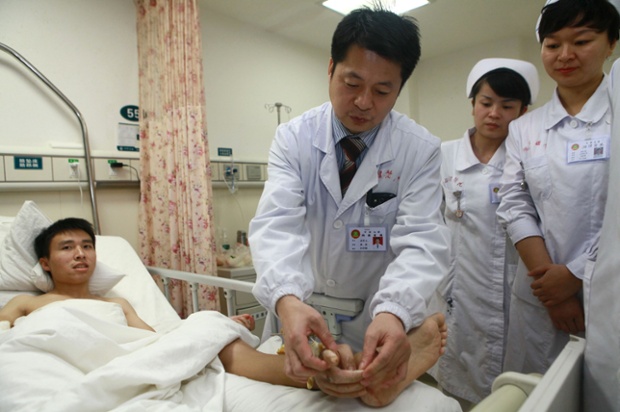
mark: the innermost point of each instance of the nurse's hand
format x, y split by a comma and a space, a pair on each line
386, 352
554, 284
299, 322
342, 379
568, 316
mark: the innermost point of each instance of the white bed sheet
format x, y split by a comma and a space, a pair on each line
239, 394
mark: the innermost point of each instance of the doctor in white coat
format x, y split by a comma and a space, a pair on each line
382, 239
476, 292
601, 291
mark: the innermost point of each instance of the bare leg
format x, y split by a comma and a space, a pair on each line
428, 343
241, 359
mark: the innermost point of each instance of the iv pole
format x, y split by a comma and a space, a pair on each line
277, 106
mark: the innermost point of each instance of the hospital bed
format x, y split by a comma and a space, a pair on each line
49, 362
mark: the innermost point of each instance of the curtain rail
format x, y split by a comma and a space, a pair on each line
89, 174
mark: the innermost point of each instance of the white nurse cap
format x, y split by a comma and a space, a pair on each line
525, 69
615, 3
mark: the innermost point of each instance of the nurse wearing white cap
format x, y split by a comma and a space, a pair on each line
475, 290
555, 183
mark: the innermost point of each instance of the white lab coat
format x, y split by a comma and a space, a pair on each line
601, 290
297, 236
563, 203
483, 263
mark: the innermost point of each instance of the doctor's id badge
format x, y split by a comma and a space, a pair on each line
586, 150
367, 238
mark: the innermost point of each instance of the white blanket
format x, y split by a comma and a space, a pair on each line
79, 355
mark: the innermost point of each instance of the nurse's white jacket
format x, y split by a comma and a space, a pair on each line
561, 202
298, 236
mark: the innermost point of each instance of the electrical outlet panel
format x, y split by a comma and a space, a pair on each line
105, 172
69, 169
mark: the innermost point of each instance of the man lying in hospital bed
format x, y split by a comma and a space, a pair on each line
79, 354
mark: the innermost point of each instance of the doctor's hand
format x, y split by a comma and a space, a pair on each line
342, 379
386, 352
554, 284
568, 316
299, 322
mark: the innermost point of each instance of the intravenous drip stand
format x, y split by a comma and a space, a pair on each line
277, 106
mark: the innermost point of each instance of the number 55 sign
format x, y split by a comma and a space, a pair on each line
131, 113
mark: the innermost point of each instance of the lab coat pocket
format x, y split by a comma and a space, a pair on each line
538, 177
385, 213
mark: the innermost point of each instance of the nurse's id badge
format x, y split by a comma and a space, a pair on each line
596, 148
367, 238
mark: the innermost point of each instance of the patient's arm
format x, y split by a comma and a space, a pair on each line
15, 308
241, 359
132, 317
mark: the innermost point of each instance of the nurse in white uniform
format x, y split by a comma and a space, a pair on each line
555, 183
483, 262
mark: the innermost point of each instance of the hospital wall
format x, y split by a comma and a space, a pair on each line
87, 48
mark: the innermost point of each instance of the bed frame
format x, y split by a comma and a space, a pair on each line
558, 390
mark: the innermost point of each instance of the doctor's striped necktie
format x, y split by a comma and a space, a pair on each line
352, 147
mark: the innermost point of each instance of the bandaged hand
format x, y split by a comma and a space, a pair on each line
343, 378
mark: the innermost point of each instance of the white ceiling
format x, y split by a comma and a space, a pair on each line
445, 25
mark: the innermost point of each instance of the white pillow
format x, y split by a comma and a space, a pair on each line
103, 279
18, 260
17, 256
5, 227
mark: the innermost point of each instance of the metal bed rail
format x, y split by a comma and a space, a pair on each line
228, 285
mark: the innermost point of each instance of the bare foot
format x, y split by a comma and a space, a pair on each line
246, 320
428, 342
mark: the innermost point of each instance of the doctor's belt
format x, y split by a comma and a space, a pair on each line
335, 310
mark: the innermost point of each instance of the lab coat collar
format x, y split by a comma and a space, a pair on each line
366, 176
592, 112
466, 158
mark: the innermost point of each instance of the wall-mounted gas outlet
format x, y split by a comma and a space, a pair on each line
231, 172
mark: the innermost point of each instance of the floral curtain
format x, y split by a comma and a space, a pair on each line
176, 216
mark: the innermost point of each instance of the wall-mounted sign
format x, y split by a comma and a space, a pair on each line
131, 113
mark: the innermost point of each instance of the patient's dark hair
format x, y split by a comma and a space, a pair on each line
599, 15
505, 83
387, 34
44, 239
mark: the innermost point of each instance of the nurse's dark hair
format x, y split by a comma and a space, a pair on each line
599, 15
43, 241
393, 37
505, 83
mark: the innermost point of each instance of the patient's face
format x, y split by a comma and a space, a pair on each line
72, 257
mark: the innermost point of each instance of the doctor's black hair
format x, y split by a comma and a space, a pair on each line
599, 15
505, 83
393, 37
43, 241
